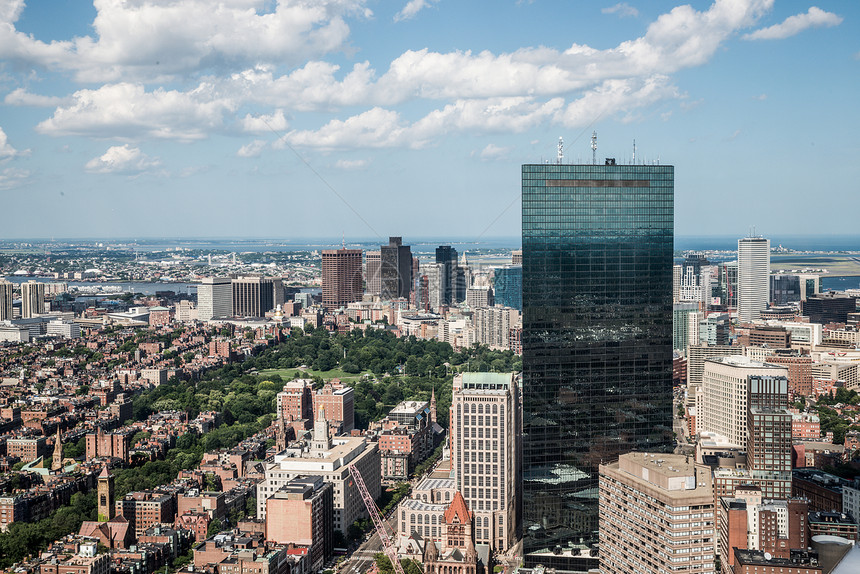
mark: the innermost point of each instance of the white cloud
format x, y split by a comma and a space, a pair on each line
128, 111
122, 160
13, 177
492, 151
376, 128
623, 9
351, 163
252, 149
616, 96
760, 97
8, 152
412, 8
21, 97
814, 18
275, 122
158, 40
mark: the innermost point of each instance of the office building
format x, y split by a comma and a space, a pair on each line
373, 263
437, 284
493, 325
640, 487
479, 297
714, 330
695, 286
395, 270
677, 271
597, 340
753, 277
727, 282
681, 313
485, 430
447, 257
253, 296
829, 307
301, 513
214, 298
508, 286
786, 288
727, 384
32, 299
5, 300
342, 282
64, 329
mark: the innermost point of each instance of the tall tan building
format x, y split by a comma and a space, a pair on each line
32, 299
485, 429
342, 281
656, 515
725, 400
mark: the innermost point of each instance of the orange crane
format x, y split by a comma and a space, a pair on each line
387, 542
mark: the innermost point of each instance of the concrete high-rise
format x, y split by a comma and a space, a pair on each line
437, 284
597, 340
485, 431
5, 300
636, 490
395, 270
753, 277
32, 299
342, 282
253, 296
214, 298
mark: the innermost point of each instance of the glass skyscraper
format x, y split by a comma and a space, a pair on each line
508, 286
597, 341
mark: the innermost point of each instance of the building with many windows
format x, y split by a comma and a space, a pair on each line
342, 282
597, 340
485, 429
753, 277
656, 515
214, 298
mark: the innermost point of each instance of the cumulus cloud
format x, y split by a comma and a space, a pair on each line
128, 111
158, 40
412, 8
623, 9
252, 149
265, 123
8, 152
122, 160
13, 177
814, 18
348, 164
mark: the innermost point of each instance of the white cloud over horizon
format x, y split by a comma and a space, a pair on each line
122, 160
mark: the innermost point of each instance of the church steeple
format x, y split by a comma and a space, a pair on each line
57, 462
321, 440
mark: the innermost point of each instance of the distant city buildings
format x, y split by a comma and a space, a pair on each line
395, 270
253, 296
214, 298
32, 299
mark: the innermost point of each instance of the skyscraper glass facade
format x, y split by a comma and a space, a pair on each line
597, 340
508, 286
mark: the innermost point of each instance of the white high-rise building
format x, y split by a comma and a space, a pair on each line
753, 277
5, 300
437, 283
214, 298
485, 429
32, 299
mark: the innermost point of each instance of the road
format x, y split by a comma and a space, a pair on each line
363, 558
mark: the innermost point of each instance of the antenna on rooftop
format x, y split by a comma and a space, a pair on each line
634, 151
594, 148
560, 158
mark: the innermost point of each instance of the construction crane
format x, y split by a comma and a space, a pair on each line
387, 543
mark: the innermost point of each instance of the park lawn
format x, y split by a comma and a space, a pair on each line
288, 374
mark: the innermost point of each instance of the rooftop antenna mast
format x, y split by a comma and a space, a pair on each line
594, 148
634, 151
560, 158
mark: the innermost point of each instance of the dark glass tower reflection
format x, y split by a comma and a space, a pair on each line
597, 341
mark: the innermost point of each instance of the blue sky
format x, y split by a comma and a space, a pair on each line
288, 119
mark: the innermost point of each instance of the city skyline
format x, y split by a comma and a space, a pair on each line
104, 118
